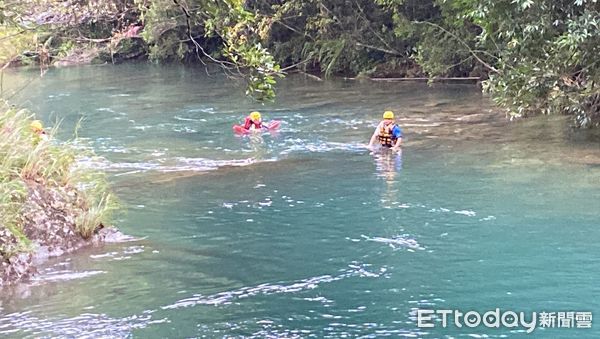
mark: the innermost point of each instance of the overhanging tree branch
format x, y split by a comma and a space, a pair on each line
389, 50
378, 48
224, 64
462, 42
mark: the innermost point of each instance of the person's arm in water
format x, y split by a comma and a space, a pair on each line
397, 132
374, 136
397, 145
247, 123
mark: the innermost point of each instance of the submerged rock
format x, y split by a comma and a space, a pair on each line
110, 235
16, 268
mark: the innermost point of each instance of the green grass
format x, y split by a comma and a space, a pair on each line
26, 159
13, 41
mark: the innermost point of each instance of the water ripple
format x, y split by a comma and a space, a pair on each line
301, 146
89, 325
227, 297
85, 325
400, 241
179, 164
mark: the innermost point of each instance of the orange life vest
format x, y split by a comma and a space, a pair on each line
386, 138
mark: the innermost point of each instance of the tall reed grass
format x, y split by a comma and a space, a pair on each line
30, 160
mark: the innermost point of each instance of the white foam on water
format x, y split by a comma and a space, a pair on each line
178, 164
228, 297
64, 275
400, 241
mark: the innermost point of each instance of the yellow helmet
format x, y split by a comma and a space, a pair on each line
255, 115
388, 115
36, 126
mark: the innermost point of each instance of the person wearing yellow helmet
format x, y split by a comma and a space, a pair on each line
37, 127
253, 121
388, 133
38, 130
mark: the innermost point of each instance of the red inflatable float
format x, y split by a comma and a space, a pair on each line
270, 126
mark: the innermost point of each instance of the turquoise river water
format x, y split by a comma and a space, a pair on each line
304, 232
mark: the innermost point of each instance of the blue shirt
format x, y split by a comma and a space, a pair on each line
397, 132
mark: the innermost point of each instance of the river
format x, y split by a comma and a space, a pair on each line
303, 232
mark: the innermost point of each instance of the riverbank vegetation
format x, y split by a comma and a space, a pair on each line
532, 57
47, 199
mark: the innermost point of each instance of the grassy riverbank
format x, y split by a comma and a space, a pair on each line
47, 199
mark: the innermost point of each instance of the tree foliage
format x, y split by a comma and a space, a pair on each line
533, 56
224, 32
47, 30
332, 37
541, 57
